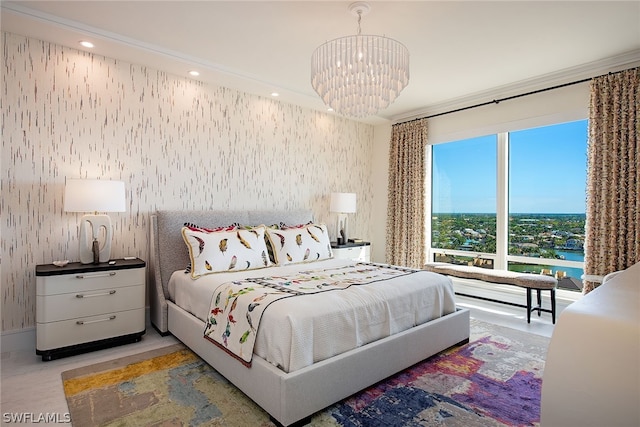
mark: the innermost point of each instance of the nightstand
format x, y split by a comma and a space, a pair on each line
360, 251
85, 307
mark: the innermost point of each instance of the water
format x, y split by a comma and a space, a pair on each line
571, 256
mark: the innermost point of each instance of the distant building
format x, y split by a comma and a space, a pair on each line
471, 232
574, 245
526, 245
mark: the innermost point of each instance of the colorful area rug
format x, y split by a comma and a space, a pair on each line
495, 380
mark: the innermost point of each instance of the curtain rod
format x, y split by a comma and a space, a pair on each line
508, 98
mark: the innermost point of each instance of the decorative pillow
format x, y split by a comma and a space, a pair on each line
195, 227
283, 226
280, 226
233, 250
307, 243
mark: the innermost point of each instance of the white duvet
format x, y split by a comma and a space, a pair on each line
299, 331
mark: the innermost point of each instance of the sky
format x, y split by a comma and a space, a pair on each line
547, 172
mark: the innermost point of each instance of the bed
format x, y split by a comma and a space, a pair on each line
294, 389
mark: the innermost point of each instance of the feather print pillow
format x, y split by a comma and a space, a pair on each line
280, 226
231, 250
301, 244
195, 227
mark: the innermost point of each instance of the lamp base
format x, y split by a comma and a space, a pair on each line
95, 248
92, 227
341, 232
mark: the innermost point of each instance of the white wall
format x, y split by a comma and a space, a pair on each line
177, 143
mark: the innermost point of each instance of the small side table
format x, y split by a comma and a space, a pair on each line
360, 251
85, 307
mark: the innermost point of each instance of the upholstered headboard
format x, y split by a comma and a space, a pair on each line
169, 253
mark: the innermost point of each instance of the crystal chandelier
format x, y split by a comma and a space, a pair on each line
359, 75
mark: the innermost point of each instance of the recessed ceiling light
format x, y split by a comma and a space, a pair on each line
86, 44
194, 73
275, 94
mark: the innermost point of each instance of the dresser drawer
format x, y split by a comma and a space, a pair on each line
53, 308
93, 281
91, 328
357, 253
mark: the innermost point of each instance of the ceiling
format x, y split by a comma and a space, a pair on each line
461, 52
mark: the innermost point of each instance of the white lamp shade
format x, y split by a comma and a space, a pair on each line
343, 202
94, 195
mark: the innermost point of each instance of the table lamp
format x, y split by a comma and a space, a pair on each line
94, 195
343, 204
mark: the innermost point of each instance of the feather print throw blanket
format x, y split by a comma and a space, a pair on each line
237, 307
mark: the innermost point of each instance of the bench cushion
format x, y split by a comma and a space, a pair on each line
525, 280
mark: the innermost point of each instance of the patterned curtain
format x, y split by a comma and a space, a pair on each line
612, 240
405, 244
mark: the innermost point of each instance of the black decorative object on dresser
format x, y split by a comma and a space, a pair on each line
86, 307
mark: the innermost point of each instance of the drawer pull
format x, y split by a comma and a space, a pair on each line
86, 322
102, 294
92, 276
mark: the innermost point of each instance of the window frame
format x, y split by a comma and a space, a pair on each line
501, 258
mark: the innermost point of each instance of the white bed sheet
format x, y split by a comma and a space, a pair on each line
299, 331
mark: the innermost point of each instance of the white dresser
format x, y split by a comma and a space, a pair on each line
84, 307
355, 251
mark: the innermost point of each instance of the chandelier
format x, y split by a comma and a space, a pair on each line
359, 75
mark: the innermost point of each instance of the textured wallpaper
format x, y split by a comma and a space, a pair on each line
175, 142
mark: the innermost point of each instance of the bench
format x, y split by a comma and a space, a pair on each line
529, 281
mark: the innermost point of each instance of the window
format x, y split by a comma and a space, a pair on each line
464, 196
530, 218
547, 178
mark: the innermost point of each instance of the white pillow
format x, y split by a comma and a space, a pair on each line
218, 251
303, 244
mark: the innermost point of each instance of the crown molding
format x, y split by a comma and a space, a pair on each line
131, 50
139, 52
78, 27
